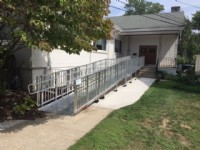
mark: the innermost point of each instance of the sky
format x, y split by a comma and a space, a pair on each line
188, 9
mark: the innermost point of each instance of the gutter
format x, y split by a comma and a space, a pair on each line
178, 29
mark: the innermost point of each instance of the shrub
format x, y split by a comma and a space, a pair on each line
25, 107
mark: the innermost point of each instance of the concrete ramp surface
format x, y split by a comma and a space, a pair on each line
126, 95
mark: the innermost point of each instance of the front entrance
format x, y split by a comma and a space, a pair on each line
150, 54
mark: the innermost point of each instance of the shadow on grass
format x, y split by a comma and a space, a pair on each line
178, 86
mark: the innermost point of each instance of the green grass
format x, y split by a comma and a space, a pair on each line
166, 117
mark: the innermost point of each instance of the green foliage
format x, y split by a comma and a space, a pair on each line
189, 44
137, 7
65, 24
196, 21
182, 60
166, 76
187, 76
25, 107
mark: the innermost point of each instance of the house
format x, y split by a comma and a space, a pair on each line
154, 36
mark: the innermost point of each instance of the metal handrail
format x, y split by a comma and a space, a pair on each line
60, 83
95, 85
52, 76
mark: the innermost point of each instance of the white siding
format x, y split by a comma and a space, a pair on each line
168, 51
137, 41
36, 62
197, 65
166, 47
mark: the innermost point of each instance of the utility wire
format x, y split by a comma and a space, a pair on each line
187, 4
121, 2
160, 20
155, 14
168, 18
117, 8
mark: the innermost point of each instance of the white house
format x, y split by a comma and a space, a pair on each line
154, 36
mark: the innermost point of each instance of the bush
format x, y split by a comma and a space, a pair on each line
166, 76
182, 60
25, 107
187, 76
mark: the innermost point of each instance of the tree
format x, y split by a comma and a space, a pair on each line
196, 34
52, 24
137, 7
189, 44
183, 48
196, 21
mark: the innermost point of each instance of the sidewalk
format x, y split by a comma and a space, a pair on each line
60, 132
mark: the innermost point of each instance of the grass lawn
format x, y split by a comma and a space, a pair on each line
166, 117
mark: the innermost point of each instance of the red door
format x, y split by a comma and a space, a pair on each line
150, 54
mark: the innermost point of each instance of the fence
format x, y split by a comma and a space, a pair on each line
91, 87
167, 62
53, 86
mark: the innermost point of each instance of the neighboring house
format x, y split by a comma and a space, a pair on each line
154, 36
197, 65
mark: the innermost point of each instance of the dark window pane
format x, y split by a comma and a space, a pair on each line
100, 44
118, 46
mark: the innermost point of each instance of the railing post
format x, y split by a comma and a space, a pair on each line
104, 75
126, 72
96, 76
87, 87
116, 74
93, 65
75, 97
38, 89
42, 93
56, 88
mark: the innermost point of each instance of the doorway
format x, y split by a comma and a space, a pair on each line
150, 54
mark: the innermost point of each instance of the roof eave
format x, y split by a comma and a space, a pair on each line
151, 31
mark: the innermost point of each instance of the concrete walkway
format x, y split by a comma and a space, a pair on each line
60, 132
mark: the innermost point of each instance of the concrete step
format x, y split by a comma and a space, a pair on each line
148, 72
148, 75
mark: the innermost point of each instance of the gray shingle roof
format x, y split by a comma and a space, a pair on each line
149, 21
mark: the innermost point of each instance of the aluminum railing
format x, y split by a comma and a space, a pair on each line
53, 86
167, 62
94, 86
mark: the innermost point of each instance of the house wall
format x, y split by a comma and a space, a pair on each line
197, 65
36, 62
166, 47
168, 52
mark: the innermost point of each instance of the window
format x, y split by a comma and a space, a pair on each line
118, 45
100, 44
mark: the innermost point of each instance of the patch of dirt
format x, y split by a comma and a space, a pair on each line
147, 123
11, 98
165, 123
183, 140
185, 126
166, 127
